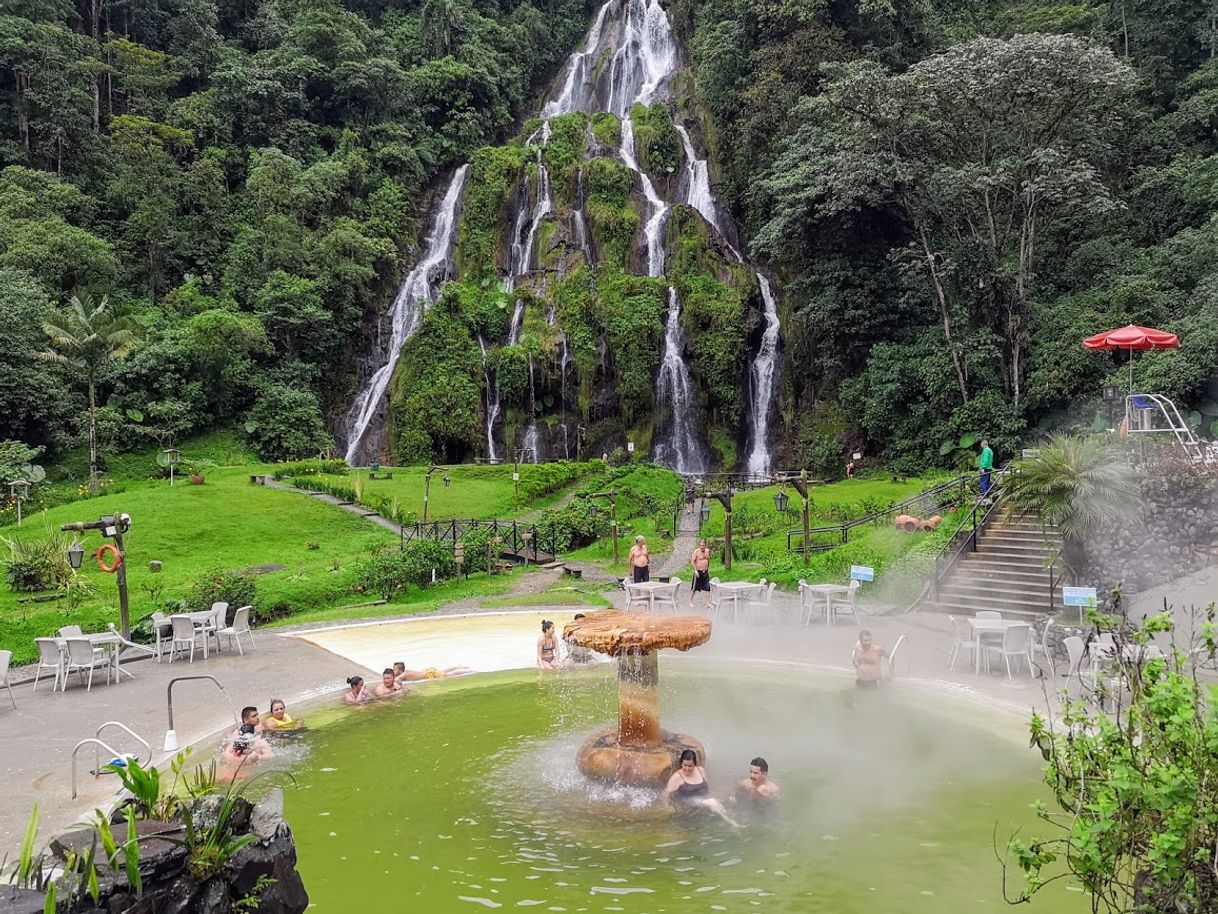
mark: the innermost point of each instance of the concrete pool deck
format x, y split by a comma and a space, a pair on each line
307, 663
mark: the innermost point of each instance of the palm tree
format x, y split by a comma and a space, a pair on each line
1079, 485
87, 338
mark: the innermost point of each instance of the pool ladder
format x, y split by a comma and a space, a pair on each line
96, 742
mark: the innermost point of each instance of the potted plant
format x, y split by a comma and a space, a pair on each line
196, 470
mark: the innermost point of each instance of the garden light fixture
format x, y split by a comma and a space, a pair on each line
781, 500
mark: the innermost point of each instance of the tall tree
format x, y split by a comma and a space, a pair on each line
980, 149
88, 339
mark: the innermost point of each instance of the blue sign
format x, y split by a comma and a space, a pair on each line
862, 573
1078, 596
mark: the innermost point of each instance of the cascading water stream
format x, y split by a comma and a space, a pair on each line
697, 182
762, 377
492, 405
657, 209
416, 293
681, 449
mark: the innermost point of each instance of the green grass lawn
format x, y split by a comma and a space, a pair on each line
192, 530
480, 492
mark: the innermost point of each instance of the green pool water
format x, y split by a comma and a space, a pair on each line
465, 795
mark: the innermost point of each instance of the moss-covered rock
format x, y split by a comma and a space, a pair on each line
493, 178
657, 146
613, 217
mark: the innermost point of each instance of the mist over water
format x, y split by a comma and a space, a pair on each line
472, 795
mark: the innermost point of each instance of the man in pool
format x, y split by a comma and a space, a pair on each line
389, 687
757, 786
403, 675
868, 660
576, 653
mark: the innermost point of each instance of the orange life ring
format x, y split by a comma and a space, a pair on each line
115, 556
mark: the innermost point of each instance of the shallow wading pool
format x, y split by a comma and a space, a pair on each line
465, 795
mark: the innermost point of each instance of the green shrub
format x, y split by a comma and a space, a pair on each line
311, 467
285, 424
37, 564
388, 571
236, 588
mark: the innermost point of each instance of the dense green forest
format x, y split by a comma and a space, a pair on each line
952, 193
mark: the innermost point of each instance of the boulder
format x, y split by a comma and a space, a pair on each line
16, 900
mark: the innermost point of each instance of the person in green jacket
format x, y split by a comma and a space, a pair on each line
986, 463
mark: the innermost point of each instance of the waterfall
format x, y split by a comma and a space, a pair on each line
657, 209
531, 437
697, 190
581, 222
645, 59
679, 448
762, 377
417, 292
577, 88
492, 406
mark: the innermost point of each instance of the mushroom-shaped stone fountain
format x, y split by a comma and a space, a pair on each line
636, 752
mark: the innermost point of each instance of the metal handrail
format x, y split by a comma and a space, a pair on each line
85, 742
845, 527
122, 726
169, 696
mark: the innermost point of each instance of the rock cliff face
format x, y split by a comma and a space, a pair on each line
1175, 533
264, 869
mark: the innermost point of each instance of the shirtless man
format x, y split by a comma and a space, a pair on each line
403, 675
639, 561
701, 562
868, 660
757, 786
389, 686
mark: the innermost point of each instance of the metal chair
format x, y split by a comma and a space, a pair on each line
1016, 642
6, 658
50, 657
962, 633
82, 655
240, 626
186, 632
848, 606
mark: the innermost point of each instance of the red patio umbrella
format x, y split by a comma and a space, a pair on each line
1132, 338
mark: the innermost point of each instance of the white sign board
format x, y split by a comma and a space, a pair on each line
1082, 597
630, 447
858, 455
862, 573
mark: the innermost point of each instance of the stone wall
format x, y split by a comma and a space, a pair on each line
1174, 534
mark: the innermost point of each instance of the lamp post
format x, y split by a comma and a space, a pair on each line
448, 481
519, 454
612, 497
112, 527
799, 484
173, 456
19, 489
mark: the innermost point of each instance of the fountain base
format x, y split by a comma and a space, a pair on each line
603, 758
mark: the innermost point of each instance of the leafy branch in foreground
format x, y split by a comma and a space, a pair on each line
1135, 786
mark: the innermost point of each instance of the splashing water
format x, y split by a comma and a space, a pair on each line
417, 292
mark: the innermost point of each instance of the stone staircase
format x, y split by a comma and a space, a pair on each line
1009, 571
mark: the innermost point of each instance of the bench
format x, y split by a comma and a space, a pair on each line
257, 479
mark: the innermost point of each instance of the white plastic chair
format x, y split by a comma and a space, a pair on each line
5, 659
162, 626
82, 655
716, 597
639, 595
50, 657
185, 633
1016, 642
962, 634
71, 631
240, 626
763, 600
217, 621
987, 614
848, 606
1042, 647
667, 596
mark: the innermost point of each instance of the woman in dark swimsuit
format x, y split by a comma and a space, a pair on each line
547, 648
688, 787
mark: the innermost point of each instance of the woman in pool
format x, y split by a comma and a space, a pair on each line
279, 722
401, 674
547, 648
688, 787
357, 694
